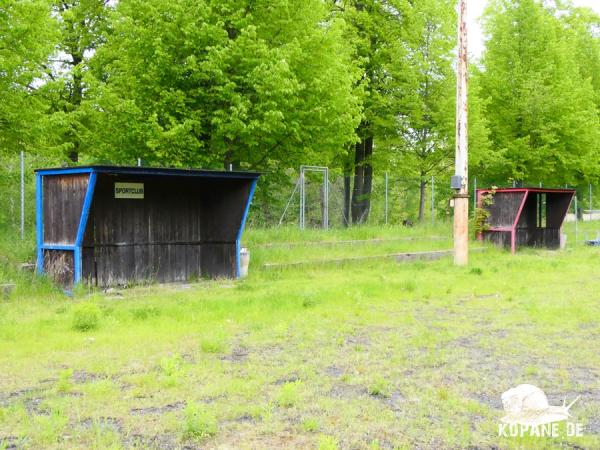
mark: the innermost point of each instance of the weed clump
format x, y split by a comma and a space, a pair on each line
409, 286
289, 394
86, 317
214, 344
310, 425
379, 388
328, 443
64, 384
145, 312
171, 370
198, 423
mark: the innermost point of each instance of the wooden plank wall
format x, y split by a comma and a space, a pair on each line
500, 238
63, 197
182, 229
504, 209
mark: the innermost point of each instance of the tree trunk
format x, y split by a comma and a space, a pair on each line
422, 193
368, 181
363, 180
357, 190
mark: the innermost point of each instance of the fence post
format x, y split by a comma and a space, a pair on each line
474, 195
386, 198
22, 195
432, 200
326, 188
576, 218
302, 198
590, 205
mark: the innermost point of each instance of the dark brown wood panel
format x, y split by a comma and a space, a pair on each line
183, 228
539, 237
219, 260
63, 197
504, 209
500, 238
557, 206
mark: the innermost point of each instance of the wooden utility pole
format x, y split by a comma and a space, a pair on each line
460, 178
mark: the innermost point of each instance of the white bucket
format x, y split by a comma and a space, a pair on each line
244, 262
563, 241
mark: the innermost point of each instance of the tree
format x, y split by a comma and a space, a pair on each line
248, 84
583, 24
424, 97
375, 27
82, 24
542, 115
25, 42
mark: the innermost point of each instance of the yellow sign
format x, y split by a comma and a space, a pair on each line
129, 190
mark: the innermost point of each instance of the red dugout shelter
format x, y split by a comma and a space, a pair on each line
529, 217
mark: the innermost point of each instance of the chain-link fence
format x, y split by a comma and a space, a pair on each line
17, 192
395, 198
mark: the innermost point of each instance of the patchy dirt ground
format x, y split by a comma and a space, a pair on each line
357, 356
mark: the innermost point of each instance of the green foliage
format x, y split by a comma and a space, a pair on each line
198, 423
81, 25
86, 317
482, 213
256, 84
543, 119
26, 40
423, 99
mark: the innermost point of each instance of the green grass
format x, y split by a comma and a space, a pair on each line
370, 354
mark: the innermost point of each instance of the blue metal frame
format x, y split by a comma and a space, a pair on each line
85, 213
39, 222
65, 171
65, 247
241, 229
149, 171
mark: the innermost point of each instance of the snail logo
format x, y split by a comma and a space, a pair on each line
528, 413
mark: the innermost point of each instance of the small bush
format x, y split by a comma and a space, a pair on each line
289, 395
171, 370
443, 393
328, 443
86, 317
64, 384
379, 388
310, 425
198, 423
213, 345
144, 312
476, 271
